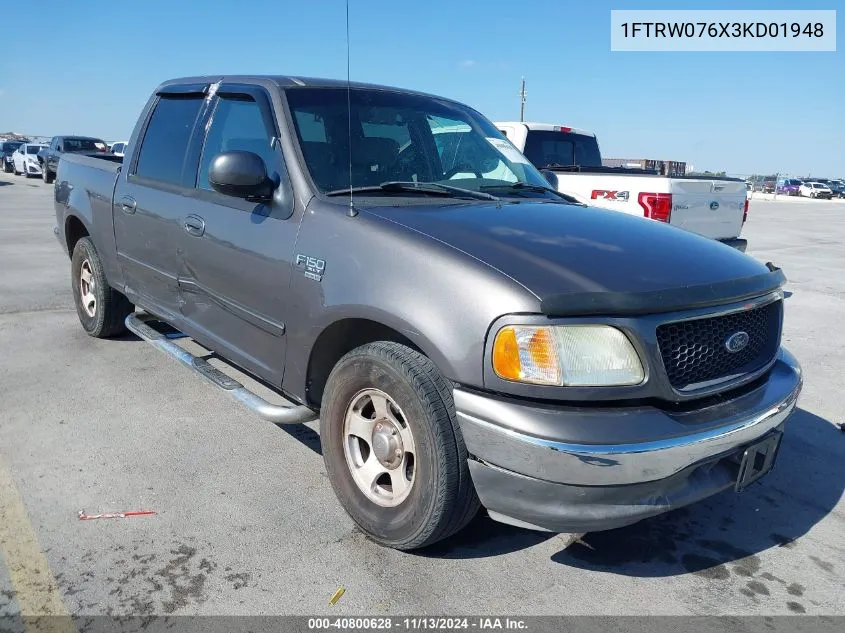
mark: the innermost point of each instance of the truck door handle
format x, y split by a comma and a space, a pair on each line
195, 225
128, 205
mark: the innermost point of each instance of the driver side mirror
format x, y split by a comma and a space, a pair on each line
241, 174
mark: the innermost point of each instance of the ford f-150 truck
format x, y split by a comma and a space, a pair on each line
715, 207
463, 340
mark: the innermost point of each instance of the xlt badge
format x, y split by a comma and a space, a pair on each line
311, 267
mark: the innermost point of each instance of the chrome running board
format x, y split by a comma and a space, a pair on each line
294, 414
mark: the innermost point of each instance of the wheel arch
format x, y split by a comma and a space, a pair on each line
345, 334
74, 230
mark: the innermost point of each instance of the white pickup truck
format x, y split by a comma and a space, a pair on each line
714, 207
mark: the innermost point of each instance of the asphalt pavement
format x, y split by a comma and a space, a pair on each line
247, 522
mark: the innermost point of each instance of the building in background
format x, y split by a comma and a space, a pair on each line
664, 167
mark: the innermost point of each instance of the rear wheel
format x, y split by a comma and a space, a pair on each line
392, 447
101, 309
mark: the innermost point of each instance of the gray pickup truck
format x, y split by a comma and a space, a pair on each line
464, 341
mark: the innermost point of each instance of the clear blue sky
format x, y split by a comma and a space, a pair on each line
87, 67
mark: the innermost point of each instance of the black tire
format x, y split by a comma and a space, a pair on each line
6, 168
111, 307
46, 175
442, 499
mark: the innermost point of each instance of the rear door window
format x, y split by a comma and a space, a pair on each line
165, 142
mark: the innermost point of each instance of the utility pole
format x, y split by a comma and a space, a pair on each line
522, 102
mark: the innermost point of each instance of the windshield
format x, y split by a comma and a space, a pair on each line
10, 147
401, 137
84, 145
551, 149
33, 149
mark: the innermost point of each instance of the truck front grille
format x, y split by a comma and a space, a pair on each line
696, 351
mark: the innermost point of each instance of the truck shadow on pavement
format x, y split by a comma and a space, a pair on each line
704, 538
484, 538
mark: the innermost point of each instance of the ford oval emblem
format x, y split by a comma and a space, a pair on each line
736, 342
714, 205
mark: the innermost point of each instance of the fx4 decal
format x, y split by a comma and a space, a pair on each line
311, 267
601, 194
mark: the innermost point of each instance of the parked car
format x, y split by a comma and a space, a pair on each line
815, 190
49, 156
788, 186
118, 148
7, 148
837, 188
25, 160
711, 206
464, 340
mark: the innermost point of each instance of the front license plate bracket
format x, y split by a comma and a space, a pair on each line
758, 460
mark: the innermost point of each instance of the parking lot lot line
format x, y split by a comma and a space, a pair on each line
36, 589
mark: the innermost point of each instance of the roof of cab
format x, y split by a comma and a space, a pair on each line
289, 81
546, 127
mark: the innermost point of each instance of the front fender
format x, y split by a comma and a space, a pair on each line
437, 297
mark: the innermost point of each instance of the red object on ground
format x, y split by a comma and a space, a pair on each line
114, 515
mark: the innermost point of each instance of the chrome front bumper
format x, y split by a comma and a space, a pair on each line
652, 453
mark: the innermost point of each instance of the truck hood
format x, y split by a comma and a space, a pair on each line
558, 250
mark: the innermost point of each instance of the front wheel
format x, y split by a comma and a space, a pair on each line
45, 174
101, 309
392, 447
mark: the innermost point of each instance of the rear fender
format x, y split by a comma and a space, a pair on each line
94, 211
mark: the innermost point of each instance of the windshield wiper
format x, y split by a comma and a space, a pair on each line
402, 186
525, 186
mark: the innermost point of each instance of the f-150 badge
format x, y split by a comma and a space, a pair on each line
311, 267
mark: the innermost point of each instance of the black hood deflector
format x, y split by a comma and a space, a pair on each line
661, 301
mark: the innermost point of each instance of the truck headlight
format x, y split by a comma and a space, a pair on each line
566, 356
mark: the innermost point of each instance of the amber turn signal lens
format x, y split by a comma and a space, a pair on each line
506, 354
526, 354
